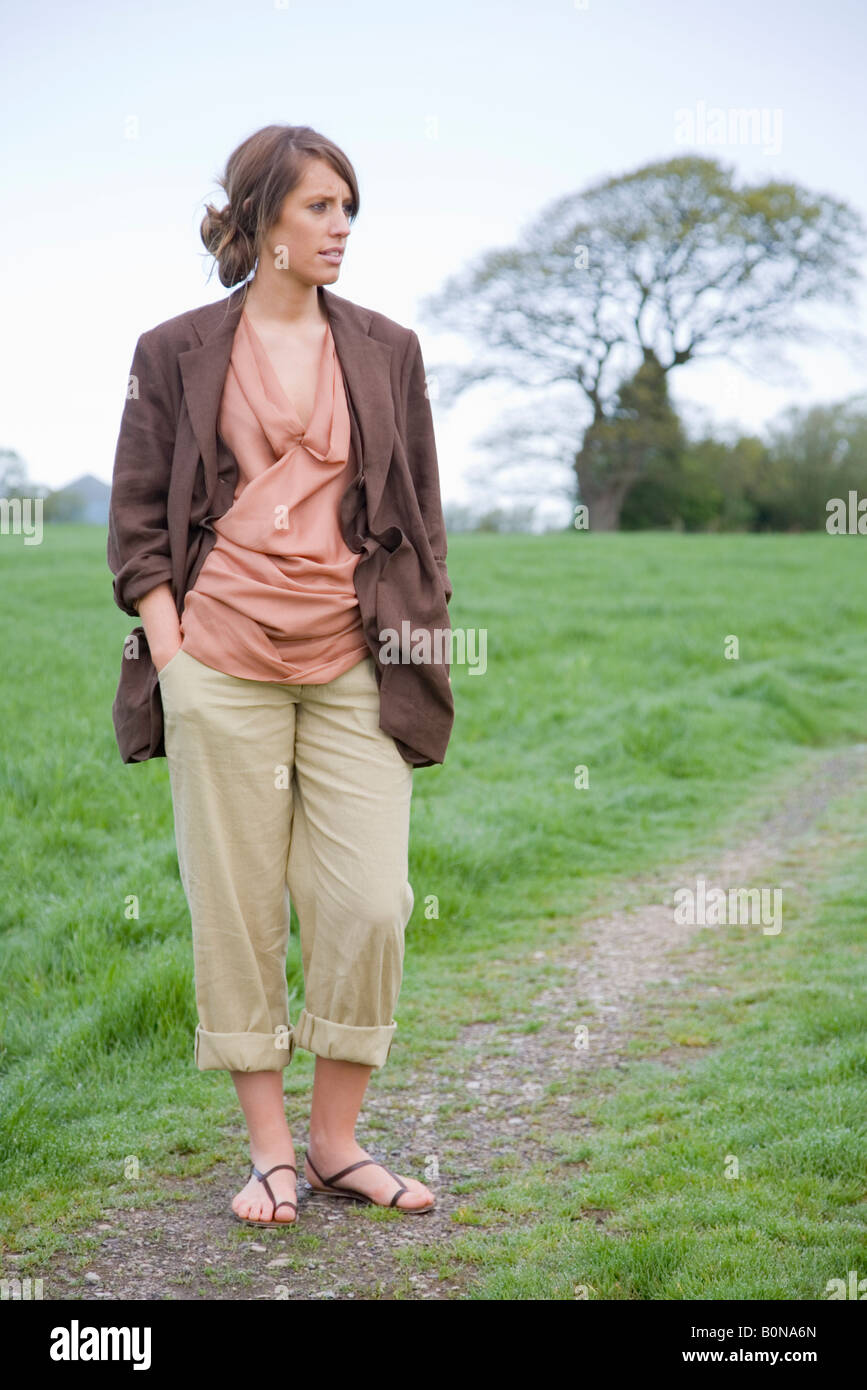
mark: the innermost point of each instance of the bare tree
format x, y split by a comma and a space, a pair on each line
646, 271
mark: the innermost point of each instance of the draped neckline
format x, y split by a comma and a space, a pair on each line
254, 389
271, 380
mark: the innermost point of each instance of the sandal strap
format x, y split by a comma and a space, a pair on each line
329, 1182
401, 1187
263, 1178
351, 1169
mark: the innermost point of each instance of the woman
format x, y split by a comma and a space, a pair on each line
271, 573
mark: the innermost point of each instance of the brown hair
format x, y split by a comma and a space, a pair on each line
259, 174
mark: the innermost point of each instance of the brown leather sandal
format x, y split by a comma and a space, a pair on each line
263, 1178
354, 1194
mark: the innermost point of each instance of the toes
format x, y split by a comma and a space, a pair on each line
249, 1207
256, 1207
417, 1196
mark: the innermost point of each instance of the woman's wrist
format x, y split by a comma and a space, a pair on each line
161, 624
162, 655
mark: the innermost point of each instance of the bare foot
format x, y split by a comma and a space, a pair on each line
253, 1202
373, 1180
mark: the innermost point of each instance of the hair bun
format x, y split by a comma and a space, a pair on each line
220, 217
228, 242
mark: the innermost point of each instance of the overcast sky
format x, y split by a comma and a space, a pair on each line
462, 121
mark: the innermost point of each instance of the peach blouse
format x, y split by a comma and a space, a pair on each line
275, 598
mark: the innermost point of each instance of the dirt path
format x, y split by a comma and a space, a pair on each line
187, 1247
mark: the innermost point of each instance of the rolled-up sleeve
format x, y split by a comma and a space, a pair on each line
139, 554
422, 455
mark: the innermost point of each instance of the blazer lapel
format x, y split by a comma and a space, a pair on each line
365, 363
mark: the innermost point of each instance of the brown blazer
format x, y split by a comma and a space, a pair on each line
174, 475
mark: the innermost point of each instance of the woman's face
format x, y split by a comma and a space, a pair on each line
314, 219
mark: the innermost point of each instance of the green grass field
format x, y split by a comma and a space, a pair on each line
606, 651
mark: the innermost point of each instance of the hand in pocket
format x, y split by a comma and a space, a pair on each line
162, 664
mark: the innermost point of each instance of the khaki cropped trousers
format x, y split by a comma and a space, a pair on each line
289, 794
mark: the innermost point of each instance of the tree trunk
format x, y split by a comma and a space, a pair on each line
618, 448
604, 512
603, 503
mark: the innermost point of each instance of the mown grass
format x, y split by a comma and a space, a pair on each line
604, 651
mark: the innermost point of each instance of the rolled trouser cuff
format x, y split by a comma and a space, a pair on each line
342, 1042
244, 1051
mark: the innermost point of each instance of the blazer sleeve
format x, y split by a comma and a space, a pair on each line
422, 455
139, 554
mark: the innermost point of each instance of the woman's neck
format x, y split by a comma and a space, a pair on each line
285, 301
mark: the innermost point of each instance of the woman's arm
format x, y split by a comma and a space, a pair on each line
139, 554
161, 624
422, 455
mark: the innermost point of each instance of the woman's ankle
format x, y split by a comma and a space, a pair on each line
323, 1141
271, 1141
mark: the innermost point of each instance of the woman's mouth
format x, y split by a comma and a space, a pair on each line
334, 256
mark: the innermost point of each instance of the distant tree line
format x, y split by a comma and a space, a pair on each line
710, 482
780, 483
84, 500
